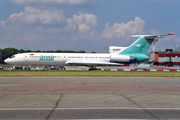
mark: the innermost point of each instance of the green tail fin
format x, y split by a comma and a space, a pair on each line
139, 46
138, 49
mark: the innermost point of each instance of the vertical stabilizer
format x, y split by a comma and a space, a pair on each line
142, 44
138, 49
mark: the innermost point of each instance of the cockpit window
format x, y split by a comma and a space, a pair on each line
13, 56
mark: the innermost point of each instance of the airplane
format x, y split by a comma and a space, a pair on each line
135, 53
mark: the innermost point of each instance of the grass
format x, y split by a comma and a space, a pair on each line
90, 73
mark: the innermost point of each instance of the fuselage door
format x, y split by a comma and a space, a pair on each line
25, 57
64, 57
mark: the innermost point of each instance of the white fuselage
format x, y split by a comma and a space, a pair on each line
56, 58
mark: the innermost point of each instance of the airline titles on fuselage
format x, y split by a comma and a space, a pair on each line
46, 58
51, 57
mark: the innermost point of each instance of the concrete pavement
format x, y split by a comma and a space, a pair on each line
86, 98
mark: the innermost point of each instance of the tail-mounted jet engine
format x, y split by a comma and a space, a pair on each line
121, 58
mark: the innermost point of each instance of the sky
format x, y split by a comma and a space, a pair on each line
90, 25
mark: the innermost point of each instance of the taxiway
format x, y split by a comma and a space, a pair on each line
52, 98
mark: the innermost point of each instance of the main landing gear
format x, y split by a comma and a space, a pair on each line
93, 68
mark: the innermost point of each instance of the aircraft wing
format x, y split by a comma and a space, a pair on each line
91, 63
152, 36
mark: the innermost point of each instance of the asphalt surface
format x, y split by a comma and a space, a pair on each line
51, 98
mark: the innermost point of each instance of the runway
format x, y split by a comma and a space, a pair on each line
51, 98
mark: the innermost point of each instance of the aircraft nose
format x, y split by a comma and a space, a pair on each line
7, 60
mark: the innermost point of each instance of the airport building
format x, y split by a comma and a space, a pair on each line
170, 57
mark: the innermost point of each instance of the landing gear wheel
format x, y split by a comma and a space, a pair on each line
93, 68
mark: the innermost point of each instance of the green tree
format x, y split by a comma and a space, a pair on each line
58, 51
8, 52
21, 51
82, 51
28, 51
37, 51
1, 56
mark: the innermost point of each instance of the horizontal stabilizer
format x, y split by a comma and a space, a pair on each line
152, 36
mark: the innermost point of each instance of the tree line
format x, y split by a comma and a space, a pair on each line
8, 52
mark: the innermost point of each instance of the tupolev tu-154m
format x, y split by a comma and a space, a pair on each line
134, 53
